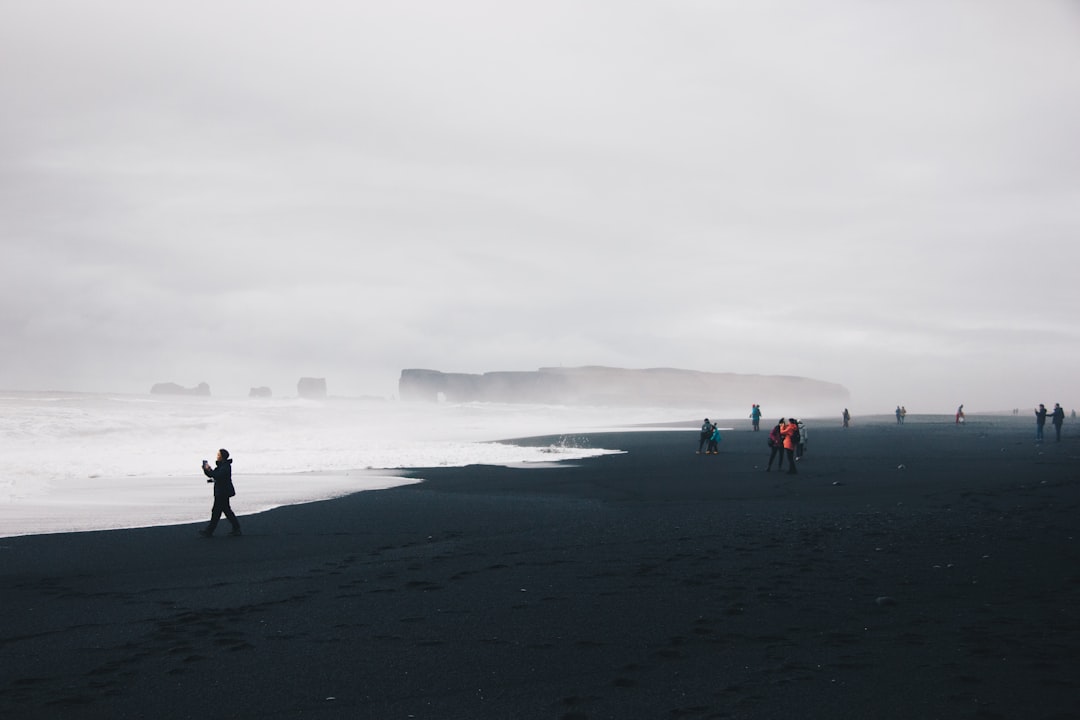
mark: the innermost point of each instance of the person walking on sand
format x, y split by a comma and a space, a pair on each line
790, 434
960, 415
776, 446
847, 417
221, 476
706, 433
898, 415
755, 417
1058, 417
714, 441
903, 414
1040, 422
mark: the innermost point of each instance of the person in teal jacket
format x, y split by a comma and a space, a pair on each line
714, 441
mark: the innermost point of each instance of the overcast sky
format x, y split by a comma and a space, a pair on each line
881, 195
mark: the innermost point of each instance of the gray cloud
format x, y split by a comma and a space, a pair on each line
878, 195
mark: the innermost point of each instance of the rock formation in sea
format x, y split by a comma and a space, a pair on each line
174, 389
314, 388
618, 386
261, 392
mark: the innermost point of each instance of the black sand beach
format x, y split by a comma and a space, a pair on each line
915, 571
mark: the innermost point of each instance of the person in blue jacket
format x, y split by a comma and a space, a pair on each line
221, 476
714, 441
755, 416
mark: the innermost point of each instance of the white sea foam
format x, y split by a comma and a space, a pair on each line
87, 461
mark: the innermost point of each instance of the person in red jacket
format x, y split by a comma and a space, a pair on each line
776, 446
788, 431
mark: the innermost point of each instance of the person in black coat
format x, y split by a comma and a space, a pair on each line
221, 476
776, 447
1057, 418
1040, 422
706, 433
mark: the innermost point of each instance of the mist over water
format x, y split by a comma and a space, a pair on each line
94, 461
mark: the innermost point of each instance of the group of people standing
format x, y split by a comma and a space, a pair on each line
710, 438
1057, 418
787, 439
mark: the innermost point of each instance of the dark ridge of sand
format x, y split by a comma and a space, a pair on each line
653, 584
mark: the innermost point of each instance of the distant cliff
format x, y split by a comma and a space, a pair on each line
174, 389
312, 388
617, 386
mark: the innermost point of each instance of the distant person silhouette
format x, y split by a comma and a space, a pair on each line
1040, 422
847, 417
960, 415
800, 446
1058, 417
221, 476
706, 433
755, 417
899, 416
903, 414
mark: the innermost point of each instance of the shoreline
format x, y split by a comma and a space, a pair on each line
168, 501
654, 583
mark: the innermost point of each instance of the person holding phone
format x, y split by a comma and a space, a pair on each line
221, 476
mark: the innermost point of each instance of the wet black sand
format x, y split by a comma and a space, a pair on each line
654, 584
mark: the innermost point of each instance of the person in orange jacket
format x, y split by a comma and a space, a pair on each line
788, 431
